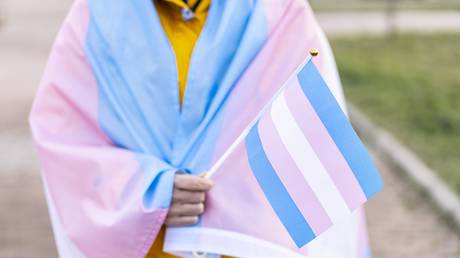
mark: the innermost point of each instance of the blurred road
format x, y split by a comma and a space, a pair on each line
401, 223
376, 22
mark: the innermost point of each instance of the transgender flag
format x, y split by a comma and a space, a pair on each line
308, 160
297, 170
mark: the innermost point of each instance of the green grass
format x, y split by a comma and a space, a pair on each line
410, 85
377, 5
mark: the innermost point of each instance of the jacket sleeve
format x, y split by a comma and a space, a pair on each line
104, 201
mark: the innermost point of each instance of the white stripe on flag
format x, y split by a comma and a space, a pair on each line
307, 161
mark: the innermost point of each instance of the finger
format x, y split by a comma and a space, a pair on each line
186, 209
192, 183
181, 221
183, 196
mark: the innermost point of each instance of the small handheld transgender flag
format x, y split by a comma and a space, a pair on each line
309, 162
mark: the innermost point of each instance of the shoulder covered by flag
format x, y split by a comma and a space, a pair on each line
299, 167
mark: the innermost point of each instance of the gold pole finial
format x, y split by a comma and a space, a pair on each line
314, 51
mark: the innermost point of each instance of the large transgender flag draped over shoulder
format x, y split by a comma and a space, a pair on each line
111, 134
303, 158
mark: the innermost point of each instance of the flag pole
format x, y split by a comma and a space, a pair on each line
313, 52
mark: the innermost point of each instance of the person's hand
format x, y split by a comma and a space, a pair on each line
188, 199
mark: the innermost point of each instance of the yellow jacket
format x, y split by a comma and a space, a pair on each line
182, 34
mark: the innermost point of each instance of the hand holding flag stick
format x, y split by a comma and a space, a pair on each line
188, 199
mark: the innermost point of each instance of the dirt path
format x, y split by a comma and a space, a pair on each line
401, 223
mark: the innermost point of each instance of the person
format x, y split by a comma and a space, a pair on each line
130, 108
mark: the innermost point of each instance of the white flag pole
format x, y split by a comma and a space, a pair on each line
242, 136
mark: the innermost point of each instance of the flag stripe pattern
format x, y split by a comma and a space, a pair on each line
304, 156
324, 146
308, 160
276, 192
300, 191
340, 129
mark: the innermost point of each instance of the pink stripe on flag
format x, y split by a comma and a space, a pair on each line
323, 145
363, 248
292, 177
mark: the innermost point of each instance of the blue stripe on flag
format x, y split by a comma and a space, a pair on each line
340, 129
368, 253
274, 190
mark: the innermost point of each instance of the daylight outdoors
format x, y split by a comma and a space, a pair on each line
399, 62
399, 65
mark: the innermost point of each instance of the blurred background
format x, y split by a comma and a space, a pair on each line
400, 65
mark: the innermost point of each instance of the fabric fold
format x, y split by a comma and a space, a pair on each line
106, 201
